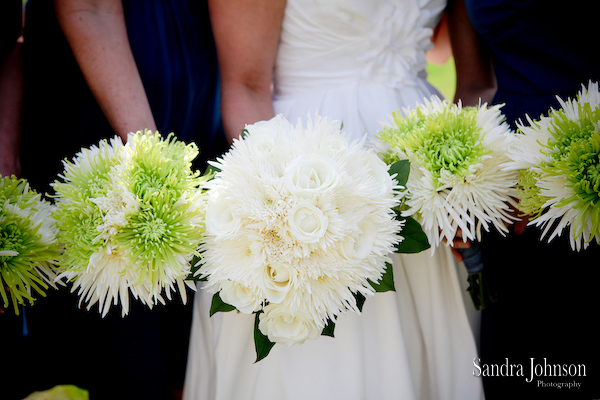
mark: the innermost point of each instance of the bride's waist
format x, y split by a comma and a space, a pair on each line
294, 83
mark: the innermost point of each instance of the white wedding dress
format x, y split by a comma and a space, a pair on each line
356, 61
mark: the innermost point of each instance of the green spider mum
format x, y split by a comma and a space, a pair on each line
158, 166
28, 246
88, 175
446, 140
78, 224
531, 200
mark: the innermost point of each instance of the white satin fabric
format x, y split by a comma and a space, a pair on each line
356, 61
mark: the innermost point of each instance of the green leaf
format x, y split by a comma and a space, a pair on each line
360, 300
401, 168
211, 170
218, 305
262, 344
415, 239
329, 328
193, 275
386, 283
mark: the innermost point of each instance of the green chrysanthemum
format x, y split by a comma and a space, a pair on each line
28, 245
170, 221
531, 200
564, 151
140, 232
78, 223
442, 141
158, 166
457, 156
88, 175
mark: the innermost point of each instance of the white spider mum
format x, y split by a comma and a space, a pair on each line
457, 177
559, 161
132, 218
298, 220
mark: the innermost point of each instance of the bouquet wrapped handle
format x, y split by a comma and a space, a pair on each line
478, 289
472, 258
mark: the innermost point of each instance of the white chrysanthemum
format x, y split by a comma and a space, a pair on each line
457, 177
558, 158
137, 226
301, 218
116, 206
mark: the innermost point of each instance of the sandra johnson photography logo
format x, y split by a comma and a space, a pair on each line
534, 371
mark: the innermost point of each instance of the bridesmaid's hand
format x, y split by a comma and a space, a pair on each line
457, 244
520, 224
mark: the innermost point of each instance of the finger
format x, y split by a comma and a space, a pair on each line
457, 256
520, 226
459, 244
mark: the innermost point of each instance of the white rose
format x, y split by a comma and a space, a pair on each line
360, 244
378, 170
311, 174
261, 142
240, 296
281, 326
307, 223
277, 281
262, 135
335, 143
220, 219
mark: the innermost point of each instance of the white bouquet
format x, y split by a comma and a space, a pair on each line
132, 218
457, 177
28, 245
299, 222
558, 158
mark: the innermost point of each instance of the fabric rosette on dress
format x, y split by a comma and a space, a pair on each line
299, 227
458, 183
131, 218
558, 159
28, 244
394, 54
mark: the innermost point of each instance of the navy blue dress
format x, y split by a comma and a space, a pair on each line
547, 295
141, 356
10, 26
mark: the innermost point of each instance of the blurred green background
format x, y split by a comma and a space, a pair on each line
443, 77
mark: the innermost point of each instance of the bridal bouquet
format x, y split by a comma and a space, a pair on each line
28, 245
299, 225
558, 158
457, 177
132, 218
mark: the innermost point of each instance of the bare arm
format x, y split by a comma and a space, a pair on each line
474, 72
11, 100
246, 35
441, 51
96, 32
